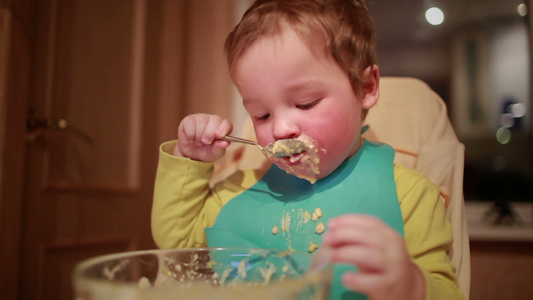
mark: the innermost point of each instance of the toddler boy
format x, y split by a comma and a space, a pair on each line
306, 70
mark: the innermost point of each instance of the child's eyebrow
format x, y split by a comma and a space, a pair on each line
292, 88
312, 84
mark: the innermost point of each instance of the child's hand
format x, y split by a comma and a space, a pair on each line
385, 268
197, 137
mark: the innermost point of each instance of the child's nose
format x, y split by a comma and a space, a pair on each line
285, 129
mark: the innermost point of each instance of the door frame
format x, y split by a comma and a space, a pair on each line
15, 31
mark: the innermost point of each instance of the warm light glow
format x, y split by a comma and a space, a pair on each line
507, 120
522, 9
503, 135
434, 16
518, 110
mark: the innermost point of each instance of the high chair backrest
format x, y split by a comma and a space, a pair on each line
413, 119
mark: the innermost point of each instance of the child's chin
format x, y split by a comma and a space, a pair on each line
299, 170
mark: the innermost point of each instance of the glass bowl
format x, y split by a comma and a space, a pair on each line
202, 273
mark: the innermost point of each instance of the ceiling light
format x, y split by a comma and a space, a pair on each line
434, 16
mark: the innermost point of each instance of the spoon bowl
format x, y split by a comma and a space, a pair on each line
286, 147
279, 148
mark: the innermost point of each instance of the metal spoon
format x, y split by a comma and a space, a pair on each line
279, 148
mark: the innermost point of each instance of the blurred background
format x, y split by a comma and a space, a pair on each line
90, 88
477, 56
478, 61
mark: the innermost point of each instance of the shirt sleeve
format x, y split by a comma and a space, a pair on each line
184, 203
428, 233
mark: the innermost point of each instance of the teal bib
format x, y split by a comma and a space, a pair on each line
364, 184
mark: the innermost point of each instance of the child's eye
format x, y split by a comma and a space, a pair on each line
263, 117
307, 105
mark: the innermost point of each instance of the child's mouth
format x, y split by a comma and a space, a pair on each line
304, 164
294, 159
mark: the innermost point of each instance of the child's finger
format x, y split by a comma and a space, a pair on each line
360, 229
378, 238
366, 283
188, 130
355, 220
224, 129
216, 127
367, 259
351, 236
202, 129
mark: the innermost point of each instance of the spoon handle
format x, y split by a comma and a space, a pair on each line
230, 138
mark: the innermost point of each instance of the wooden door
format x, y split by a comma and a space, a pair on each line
91, 143
102, 84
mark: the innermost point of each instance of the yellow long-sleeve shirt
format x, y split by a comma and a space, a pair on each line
184, 205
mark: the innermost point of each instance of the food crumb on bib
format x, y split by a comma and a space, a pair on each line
317, 214
320, 228
307, 216
144, 283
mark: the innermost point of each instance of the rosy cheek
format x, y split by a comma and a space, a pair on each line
260, 134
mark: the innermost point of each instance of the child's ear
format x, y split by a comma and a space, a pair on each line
370, 93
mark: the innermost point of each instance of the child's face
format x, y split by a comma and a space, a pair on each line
292, 92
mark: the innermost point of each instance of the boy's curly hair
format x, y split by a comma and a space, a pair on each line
345, 27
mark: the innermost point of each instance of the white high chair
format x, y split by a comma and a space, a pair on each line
413, 119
